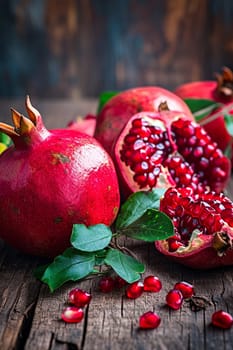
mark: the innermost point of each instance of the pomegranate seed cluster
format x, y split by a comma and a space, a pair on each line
206, 212
183, 150
144, 150
204, 156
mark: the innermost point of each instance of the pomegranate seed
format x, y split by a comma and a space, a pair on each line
119, 282
72, 314
78, 297
185, 288
152, 284
106, 284
149, 320
174, 299
222, 319
134, 290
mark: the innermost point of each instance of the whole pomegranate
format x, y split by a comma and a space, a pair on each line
50, 180
219, 90
203, 228
84, 124
121, 107
167, 149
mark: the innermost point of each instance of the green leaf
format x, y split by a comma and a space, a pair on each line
153, 225
228, 122
124, 265
201, 107
5, 139
136, 205
92, 238
72, 265
104, 98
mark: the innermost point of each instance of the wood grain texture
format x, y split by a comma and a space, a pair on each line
70, 48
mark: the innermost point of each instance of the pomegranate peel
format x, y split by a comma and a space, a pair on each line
46, 185
204, 227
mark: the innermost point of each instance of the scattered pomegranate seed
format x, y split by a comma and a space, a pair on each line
106, 284
185, 288
149, 320
72, 314
174, 299
119, 282
152, 284
134, 290
79, 297
222, 319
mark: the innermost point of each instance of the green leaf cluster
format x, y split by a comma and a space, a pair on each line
95, 246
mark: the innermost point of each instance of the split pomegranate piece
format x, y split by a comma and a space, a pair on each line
72, 314
222, 319
134, 290
174, 299
152, 284
203, 224
185, 288
79, 297
166, 149
149, 320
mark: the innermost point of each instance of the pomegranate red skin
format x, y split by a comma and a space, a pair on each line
83, 124
50, 180
120, 108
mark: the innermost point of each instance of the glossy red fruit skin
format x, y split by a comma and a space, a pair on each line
149, 320
72, 314
134, 290
174, 299
222, 319
106, 284
54, 172
152, 284
206, 251
79, 297
84, 124
185, 288
120, 108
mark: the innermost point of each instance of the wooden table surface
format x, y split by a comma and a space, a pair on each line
30, 314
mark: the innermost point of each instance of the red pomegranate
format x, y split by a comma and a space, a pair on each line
120, 108
167, 149
203, 228
84, 124
50, 180
219, 90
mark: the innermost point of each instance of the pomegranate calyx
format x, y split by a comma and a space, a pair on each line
222, 242
163, 106
225, 82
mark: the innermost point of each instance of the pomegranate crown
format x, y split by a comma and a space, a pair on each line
23, 126
225, 82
